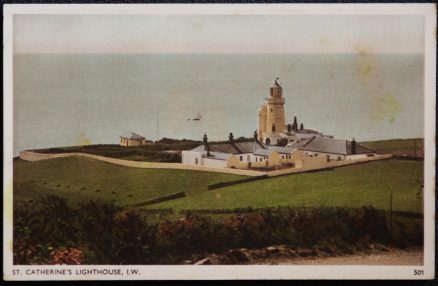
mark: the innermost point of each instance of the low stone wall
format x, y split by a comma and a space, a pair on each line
34, 156
160, 199
314, 162
226, 184
329, 165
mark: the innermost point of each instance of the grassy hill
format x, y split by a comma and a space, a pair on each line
82, 178
352, 186
409, 147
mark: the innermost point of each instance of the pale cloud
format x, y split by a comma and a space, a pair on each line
218, 33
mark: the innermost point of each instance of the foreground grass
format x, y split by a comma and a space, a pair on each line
83, 179
352, 186
409, 147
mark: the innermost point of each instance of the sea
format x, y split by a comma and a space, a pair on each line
76, 99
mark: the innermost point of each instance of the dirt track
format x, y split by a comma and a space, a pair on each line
392, 257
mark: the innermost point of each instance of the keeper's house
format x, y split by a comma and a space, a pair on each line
132, 139
314, 152
239, 155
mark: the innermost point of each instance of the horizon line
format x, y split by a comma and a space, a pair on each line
217, 53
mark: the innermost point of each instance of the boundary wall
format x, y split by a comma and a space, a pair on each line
34, 156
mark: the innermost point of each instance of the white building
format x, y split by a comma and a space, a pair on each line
275, 144
237, 154
332, 149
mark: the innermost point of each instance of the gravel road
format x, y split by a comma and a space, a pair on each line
391, 257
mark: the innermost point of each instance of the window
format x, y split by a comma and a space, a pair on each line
241, 158
272, 110
248, 157
196, 161
339, 158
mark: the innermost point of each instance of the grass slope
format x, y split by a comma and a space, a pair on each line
352, 186
83, 178
410, 147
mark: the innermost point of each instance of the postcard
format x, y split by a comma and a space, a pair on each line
219, 141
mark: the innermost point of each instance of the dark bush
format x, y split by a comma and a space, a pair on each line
105, 234
40, 226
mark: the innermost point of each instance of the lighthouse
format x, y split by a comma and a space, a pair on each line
272, 122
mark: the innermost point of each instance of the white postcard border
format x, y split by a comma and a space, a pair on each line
165, 272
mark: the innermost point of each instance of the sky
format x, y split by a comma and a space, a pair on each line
218, 34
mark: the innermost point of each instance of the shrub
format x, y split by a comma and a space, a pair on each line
41, 225
52, 231
71, 256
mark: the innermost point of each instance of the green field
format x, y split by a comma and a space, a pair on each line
401, 147
352, 186
83, 178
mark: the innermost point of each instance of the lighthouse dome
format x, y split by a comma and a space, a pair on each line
276, 90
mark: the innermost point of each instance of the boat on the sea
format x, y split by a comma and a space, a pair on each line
197, 117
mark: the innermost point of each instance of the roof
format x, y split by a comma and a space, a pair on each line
300, 143
282, 150
232, 148
275, 83
219, 156
263, 152
131, 135
200, 148
248, 147
308, 131
331, 145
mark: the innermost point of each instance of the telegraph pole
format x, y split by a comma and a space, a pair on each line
390, 212
415, 147
158, 122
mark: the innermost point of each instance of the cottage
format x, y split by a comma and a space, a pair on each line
332, 149
239, 155
132, 139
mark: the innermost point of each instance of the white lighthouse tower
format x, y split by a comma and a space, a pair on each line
272, 122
